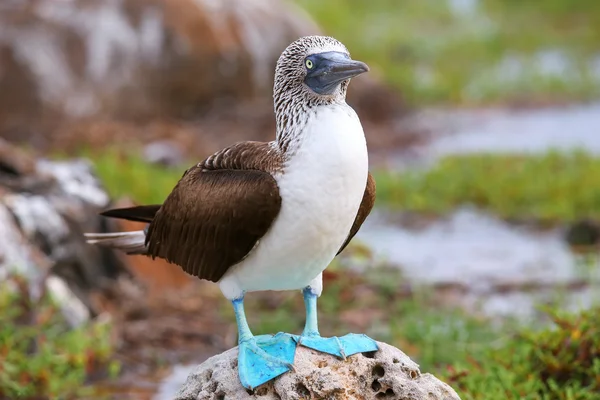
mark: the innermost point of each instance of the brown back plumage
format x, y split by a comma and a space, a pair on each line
218, 211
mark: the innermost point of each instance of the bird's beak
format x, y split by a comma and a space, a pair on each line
330, 69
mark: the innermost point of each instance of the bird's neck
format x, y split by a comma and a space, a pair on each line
290, 125
291, 122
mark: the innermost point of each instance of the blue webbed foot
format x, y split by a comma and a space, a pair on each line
342, 347
265, 357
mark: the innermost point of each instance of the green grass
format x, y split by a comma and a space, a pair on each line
435, 55
553, 187
40, 357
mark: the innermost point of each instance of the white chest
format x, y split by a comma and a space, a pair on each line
325, 180
321, 190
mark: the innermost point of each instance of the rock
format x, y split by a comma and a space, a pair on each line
45, 206
583, 234
386, 374
129, 57
88, 72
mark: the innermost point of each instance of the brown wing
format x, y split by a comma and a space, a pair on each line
366, 206
217, 212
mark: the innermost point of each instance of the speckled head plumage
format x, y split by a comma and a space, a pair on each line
291, 69
312, 71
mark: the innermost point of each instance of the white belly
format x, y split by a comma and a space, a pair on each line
321, 190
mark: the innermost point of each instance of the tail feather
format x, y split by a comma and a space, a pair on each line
137, 213
129, 242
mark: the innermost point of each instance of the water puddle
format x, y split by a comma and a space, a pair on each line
169, 386
564, 128
161, 385
464, 8
504, 269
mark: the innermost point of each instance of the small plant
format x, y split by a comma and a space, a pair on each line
558, 363
40, 357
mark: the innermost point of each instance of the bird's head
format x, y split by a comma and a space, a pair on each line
316, 69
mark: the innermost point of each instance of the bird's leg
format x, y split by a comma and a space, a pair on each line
311, 328
344, 346
262, 358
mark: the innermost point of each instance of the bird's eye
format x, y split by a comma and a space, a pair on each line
309, 64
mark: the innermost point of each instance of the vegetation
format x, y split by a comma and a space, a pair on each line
40, 357
560, 363
550, 187
126, 174
473, 51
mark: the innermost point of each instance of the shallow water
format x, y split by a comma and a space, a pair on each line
464, 8
563, 128
507, 269
470, 248
169, 386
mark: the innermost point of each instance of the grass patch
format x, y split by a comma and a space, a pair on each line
486, 51
551, 187
40, 357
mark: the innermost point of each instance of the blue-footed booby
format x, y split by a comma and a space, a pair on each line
271, 216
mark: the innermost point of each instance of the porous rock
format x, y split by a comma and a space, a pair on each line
385, 374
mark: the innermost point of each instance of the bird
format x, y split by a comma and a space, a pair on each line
271, 216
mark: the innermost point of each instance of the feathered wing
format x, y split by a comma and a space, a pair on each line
213, 219
216, 213
366, 205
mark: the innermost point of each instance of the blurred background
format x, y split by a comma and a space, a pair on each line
480, 260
